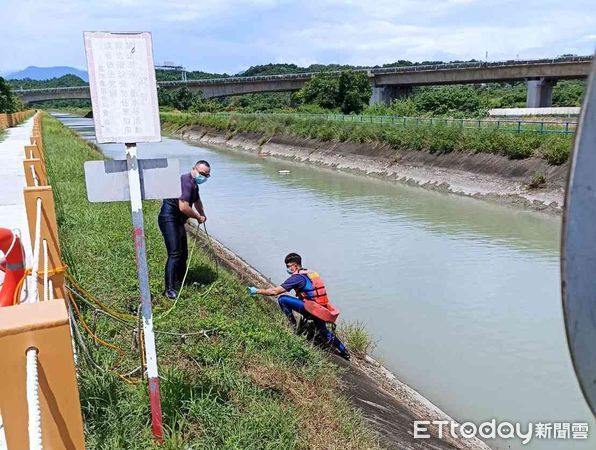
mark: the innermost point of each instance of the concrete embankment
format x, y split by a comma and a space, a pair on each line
480, 175
390, 406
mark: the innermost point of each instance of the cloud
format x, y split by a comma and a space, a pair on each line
226, 35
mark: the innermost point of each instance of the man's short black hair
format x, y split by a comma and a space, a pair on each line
202, 161
293, 258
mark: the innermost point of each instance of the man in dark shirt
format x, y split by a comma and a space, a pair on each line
172, 217
305, 290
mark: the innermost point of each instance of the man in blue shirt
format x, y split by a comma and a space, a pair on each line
308, 287
172, 217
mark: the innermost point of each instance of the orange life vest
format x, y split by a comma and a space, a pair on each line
314, 289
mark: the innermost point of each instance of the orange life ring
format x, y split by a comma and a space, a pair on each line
14, 265
328, 313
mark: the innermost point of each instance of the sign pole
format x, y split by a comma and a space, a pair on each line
142, 271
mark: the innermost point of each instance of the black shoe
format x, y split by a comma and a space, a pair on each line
171, 294
345, 355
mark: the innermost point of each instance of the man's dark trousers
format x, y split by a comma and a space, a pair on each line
174, 235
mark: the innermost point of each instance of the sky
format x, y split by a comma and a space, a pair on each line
231, 35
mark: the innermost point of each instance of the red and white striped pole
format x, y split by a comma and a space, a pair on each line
134, 184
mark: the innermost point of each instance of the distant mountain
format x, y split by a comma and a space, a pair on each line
46, 73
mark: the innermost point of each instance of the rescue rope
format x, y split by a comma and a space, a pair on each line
215, 259
33, 409
35, 263
166, 313
29, 271
106, 344
35, 177
46, 294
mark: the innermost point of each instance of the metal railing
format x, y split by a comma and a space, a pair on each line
515, 126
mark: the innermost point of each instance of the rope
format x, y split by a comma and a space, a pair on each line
14, 240
45, 271
29, 271
121, 316
33, 409
35, 265
138, 324
35, 177
114, 347
215, 259
166, 313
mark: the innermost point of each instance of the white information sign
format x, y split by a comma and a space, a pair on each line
123, 87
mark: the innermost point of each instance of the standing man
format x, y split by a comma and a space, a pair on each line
172, 217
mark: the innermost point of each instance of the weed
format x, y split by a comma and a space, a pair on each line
356, 338
538, 180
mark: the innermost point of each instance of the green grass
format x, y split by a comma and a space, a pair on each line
2, 134
249, 385
356, 338
437, 138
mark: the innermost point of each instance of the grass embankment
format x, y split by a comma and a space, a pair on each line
247, 384
432, 138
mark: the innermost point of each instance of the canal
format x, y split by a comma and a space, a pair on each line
462, 297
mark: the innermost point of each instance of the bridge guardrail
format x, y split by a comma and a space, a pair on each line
371, 70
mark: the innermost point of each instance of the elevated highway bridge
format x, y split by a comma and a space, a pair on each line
388, 83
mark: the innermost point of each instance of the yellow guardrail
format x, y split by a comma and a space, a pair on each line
10, 120
39, 397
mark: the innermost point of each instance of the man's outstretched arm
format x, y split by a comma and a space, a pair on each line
269, 291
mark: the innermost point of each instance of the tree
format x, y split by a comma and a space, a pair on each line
322, 90
9, 103
350, 91
354, 91
182, 99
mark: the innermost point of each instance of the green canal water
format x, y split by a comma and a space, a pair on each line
461, 296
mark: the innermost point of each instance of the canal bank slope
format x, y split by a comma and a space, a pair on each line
232, 375
248, 380
480, 175
390, 406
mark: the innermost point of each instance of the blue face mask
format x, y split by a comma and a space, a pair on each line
289, 271
200, 179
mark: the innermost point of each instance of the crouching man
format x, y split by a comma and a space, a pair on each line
311, 301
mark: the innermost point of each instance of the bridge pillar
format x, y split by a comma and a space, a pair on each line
540, 92
387, 93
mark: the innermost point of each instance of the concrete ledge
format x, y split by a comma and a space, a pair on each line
550, 111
